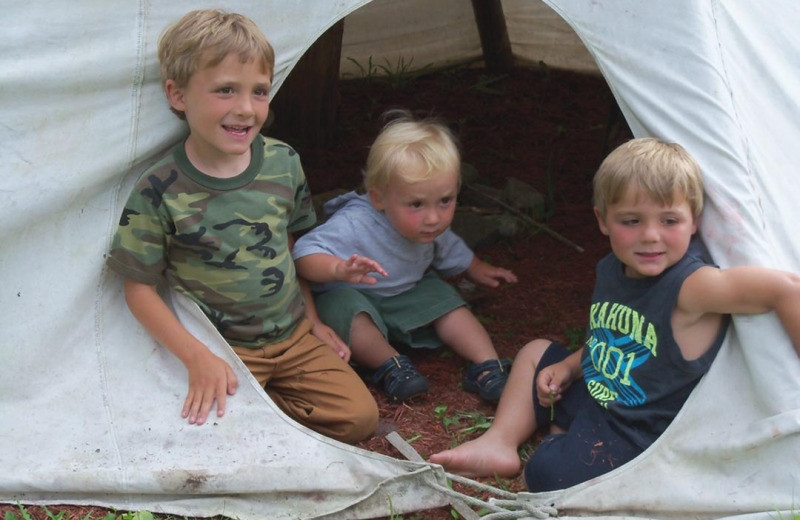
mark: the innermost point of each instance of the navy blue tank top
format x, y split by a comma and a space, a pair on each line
631, 364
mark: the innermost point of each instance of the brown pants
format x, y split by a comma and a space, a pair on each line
313, 386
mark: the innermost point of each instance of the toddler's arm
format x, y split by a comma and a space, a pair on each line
322, 267
487, 274
553, 380
210, 377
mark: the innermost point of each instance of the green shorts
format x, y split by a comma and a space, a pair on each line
404, 319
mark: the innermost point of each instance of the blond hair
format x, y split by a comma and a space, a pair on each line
425, 147
203, 38
659, 169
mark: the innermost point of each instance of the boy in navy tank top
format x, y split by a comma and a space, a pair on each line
658, 316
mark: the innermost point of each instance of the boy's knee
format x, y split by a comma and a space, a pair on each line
532, 352
360, 423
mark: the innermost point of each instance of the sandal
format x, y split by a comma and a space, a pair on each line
487, 379
399, 379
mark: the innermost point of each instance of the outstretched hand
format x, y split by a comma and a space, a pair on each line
356, 269
489, 275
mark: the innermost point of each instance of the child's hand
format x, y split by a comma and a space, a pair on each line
327, 335
356, 269
552, 382
210, 379
489, 275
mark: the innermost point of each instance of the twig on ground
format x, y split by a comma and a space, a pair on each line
528, 219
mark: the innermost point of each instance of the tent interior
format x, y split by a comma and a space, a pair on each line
94, 423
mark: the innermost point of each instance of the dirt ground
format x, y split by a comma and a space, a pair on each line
545, 127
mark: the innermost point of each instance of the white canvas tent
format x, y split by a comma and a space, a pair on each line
87, 400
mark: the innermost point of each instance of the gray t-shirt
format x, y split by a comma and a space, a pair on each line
355, 226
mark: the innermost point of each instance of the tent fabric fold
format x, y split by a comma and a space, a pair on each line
88, 402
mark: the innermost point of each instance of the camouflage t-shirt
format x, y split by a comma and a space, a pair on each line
224, 243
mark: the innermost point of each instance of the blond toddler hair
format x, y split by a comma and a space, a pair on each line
414, 149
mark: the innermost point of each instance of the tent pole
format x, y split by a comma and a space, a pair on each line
495, 43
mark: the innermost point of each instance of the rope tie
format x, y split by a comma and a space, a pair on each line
507, 506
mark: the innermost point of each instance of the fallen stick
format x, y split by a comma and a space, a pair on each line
528, 219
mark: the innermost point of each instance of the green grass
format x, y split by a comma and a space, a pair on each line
23, 513
463, 423
398, 75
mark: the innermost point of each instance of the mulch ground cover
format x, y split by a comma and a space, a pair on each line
546, 127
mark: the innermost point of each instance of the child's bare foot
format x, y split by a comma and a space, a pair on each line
480, 457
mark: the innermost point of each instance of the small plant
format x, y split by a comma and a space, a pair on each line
392, 515
502, 483
23, 514
526, 450
440, 412
414, 437
137, 515
54, 516
479, 422
446, 354
545, 70
475, 421
485, 319
368, 73
398, 74
484, 84
575, 337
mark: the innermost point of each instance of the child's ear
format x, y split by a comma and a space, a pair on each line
601, 221
174, 95
695, 224
376, 197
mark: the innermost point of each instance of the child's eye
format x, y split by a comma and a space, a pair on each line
670, 221
446, 201
630, 221
416, 204
262, 92
225, 90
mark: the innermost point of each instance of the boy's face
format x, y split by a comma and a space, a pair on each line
646, 236
225, 106
419, 211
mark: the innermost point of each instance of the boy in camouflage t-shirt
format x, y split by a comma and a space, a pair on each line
214, 218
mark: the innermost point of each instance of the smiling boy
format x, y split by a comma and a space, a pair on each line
213, 218
229, 103
658, 317
403, 223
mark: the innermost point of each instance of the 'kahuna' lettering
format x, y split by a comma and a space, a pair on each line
624, 321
